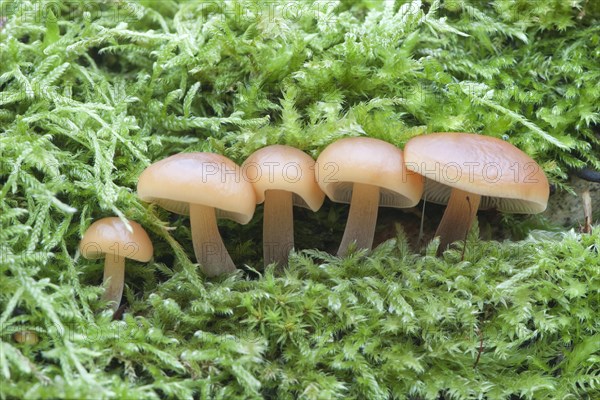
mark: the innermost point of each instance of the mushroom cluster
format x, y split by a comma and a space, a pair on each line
464, 171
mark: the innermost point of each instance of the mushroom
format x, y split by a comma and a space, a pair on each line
26, 337
204, 186
282, 176
110, 238
470, 172
367, 173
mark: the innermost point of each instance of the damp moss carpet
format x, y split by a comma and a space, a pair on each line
93, 92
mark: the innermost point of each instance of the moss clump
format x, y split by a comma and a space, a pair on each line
511, 319
92, 92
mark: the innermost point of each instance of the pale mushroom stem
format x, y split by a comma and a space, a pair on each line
210, 251
278, 227
360, 227
114, 272
458, 218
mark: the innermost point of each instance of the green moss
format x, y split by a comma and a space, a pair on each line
391, 323
92, 92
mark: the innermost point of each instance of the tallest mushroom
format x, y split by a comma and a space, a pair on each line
470, 172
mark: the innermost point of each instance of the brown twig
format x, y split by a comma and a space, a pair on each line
419, 241
581, 14
118, 314
462, 257
480, 334
587, 212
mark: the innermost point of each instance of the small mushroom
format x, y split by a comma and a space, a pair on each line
26, 337
110, 238
470, 172
367, 173
204, 186
282, 176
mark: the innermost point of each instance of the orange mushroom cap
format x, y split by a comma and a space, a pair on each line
506, 178
369, 161
286, 168
110, 236
208, 179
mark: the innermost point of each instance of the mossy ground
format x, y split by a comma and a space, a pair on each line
512, 319
92, 92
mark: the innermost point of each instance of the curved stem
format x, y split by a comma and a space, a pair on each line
210, 251
278, 227
458, 218
114, 270
360, 227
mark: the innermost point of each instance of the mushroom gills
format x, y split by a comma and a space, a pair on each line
458, 217
362, 218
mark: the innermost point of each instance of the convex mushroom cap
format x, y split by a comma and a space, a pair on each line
279, 167
110, 236
368, 161
506, 178
208, 179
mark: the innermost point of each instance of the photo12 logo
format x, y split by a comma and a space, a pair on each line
268, 12
472, 171
42, 12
